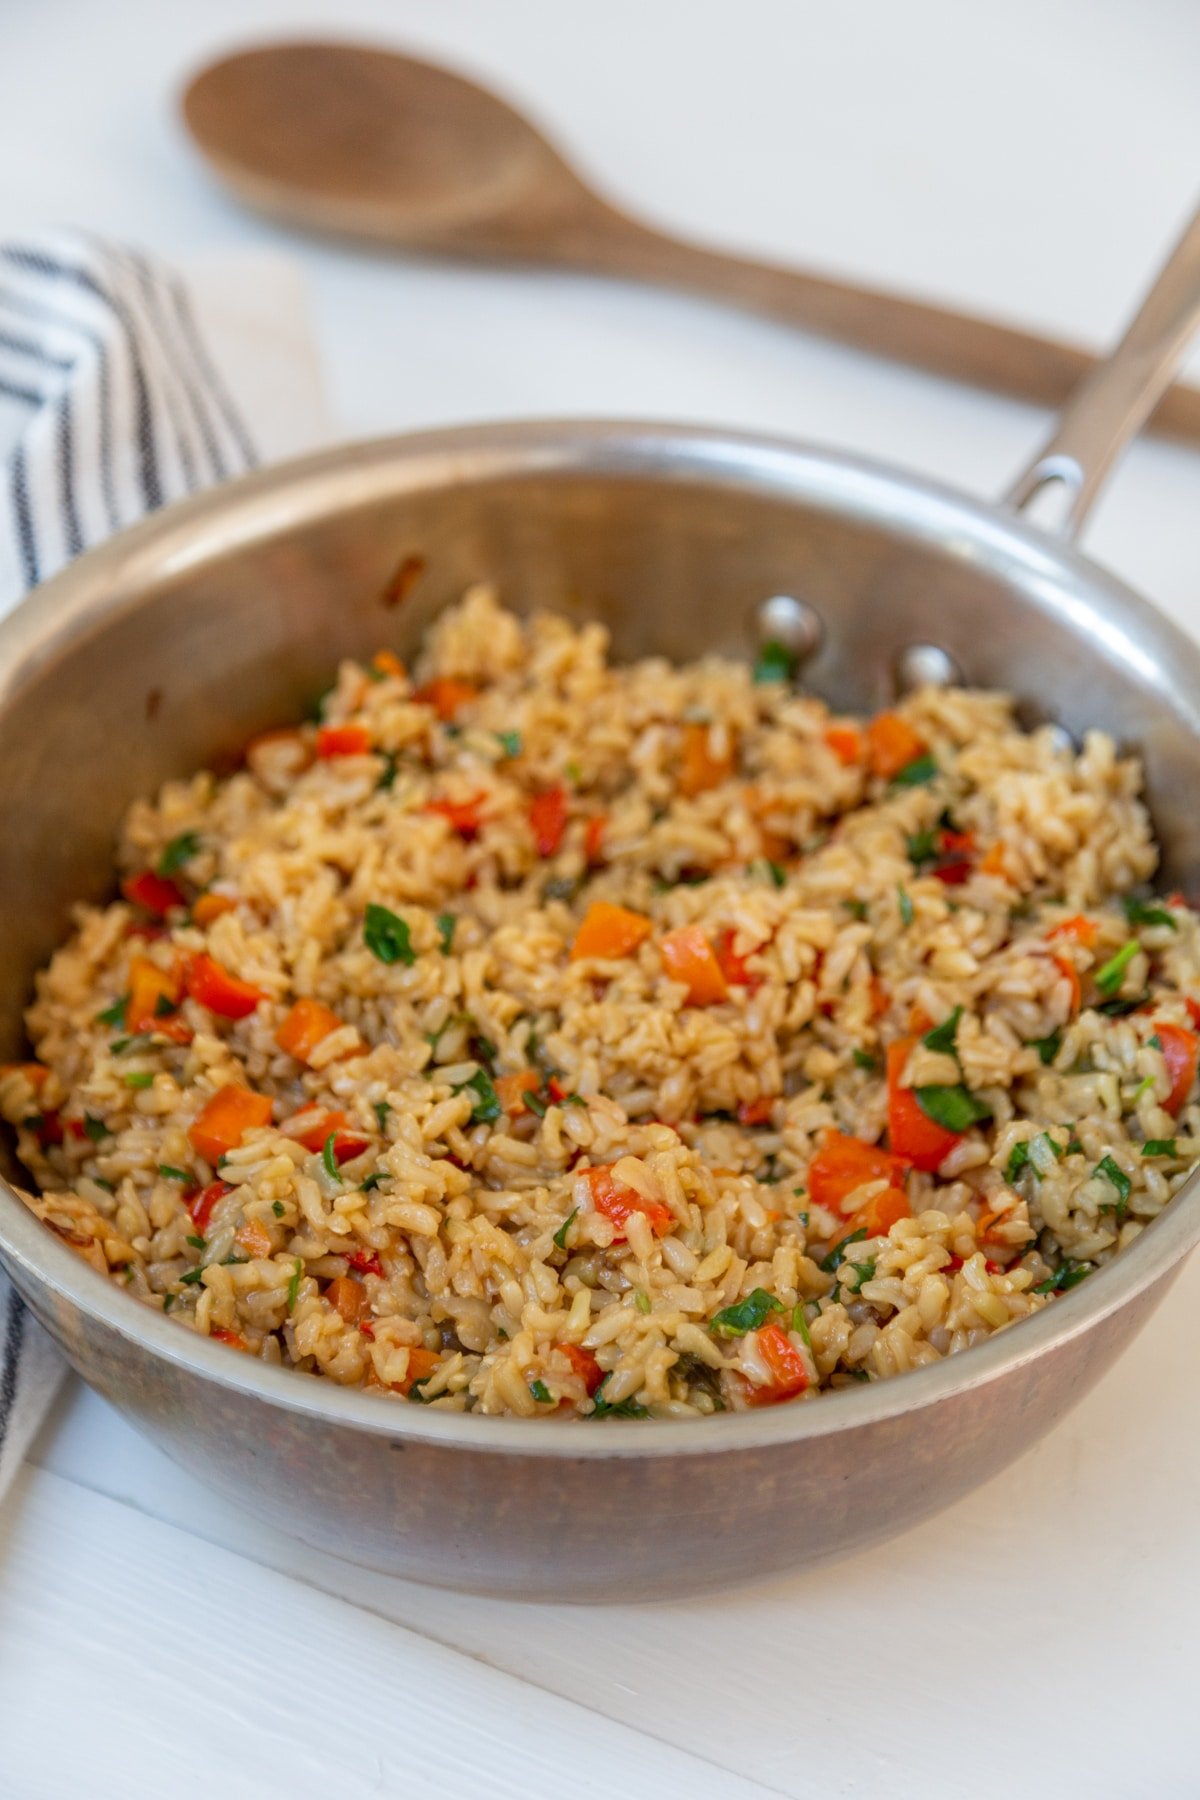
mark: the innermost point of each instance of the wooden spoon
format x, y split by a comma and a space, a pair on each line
369, 144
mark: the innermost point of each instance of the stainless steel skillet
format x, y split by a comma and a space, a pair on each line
169, 646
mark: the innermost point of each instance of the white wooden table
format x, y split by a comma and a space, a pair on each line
1033, 158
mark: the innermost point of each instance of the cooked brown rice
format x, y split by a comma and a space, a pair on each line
417, 1214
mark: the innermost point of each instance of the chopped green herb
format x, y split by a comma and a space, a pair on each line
1044, 1152
942, 1037
1155, 1042
856, 908
1018, 1160
800, 1323
1159, 1147
372, 1181
293, 1286
775, 872
168, 1302
641, 1300
197, 1243
745, 1315
1145, 912
906, 906
446, 925
536, 1104
277, 1207
833, 1261
381, 1110
775, 663
192, 1276
1067, 1275
1047, 1047
139, 1078
180, 850
163, 1006
619, 1409
329, 1157
1074, 1147
560, 1236
1117, 1009
955, 1108
142, 1040
565, 887
416, 1392
228, 1262
921, 847
865, 1271
169, 1173
1145, 1086
487, 1104
391, 766
99, 1181
574, 1100
864, 1060
387, 937
1118, 1179
114, 1014
1111, 975
858, 1374
95, 1128
573, 773
483, 1050
917, 773
540, 1392
510, 742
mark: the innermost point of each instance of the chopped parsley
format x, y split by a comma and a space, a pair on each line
1018, 1160
139, 1078
1118, 1179
180, 850
293, 1286
197, 1243
800, 1323
277, 1207
774, 872
864, 1060
917, 773
1117, 1009
387, 778
164, 1006
114, 1014
169, 1173
865, 1271
641, 1300
954, 1108
775, 662
1145, 912
1112, 974
329, 1157
560, 1236
192, 1276
141, 1040
381, 1110
618, 1409
95, 1128
1047, 1047
942, 1037
387, 937
906, 906
536, 1103
373, 1180
1067, 1275
540, 1392
856, 908
510, 742
833, 1261
921, 847
1159, 1147
446, 925
745, 1315
487, 1102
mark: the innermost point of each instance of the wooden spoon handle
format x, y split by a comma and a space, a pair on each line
960, 346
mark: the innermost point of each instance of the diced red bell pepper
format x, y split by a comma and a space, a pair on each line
878, 1216
911, 1133
463, 816
201, 1207
548, 820
617, 1202
788, 1369
220, 991
689, 957
593, 839
733, 967
343, 740
224, 1121
757, 1112
846, 743
843, 1163
584, 1365
366, 1262
157, 894
1180, 1050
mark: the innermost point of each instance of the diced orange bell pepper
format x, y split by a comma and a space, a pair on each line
1071, 974
34, 1073
617, 1202
733, 967
307, 1024
846, 743
788, 1369
609, 931
584, 1364
463, 816
843, 1163
223, 1121
913, 1135
313, 1128
446, 695
210, 906
700, 770
548, 820
995, 862
512, 1089
156, 894
343, 740
254, 1238
154, 994
1193, 1008
201, 1207
386, 662
1083, 930
348, 1297
892, 744
1180, 1050
421, 1364
593, 839
878, 1216
689, 957
220, 991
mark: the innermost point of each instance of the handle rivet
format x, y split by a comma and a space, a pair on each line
793, 623
926, 665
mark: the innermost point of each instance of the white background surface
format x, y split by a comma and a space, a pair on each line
1033, 158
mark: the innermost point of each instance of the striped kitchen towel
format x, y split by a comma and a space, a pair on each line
125, 384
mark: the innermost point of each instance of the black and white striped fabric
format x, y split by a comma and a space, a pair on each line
110, 401
111, 405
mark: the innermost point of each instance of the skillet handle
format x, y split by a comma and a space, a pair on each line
1112, 403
